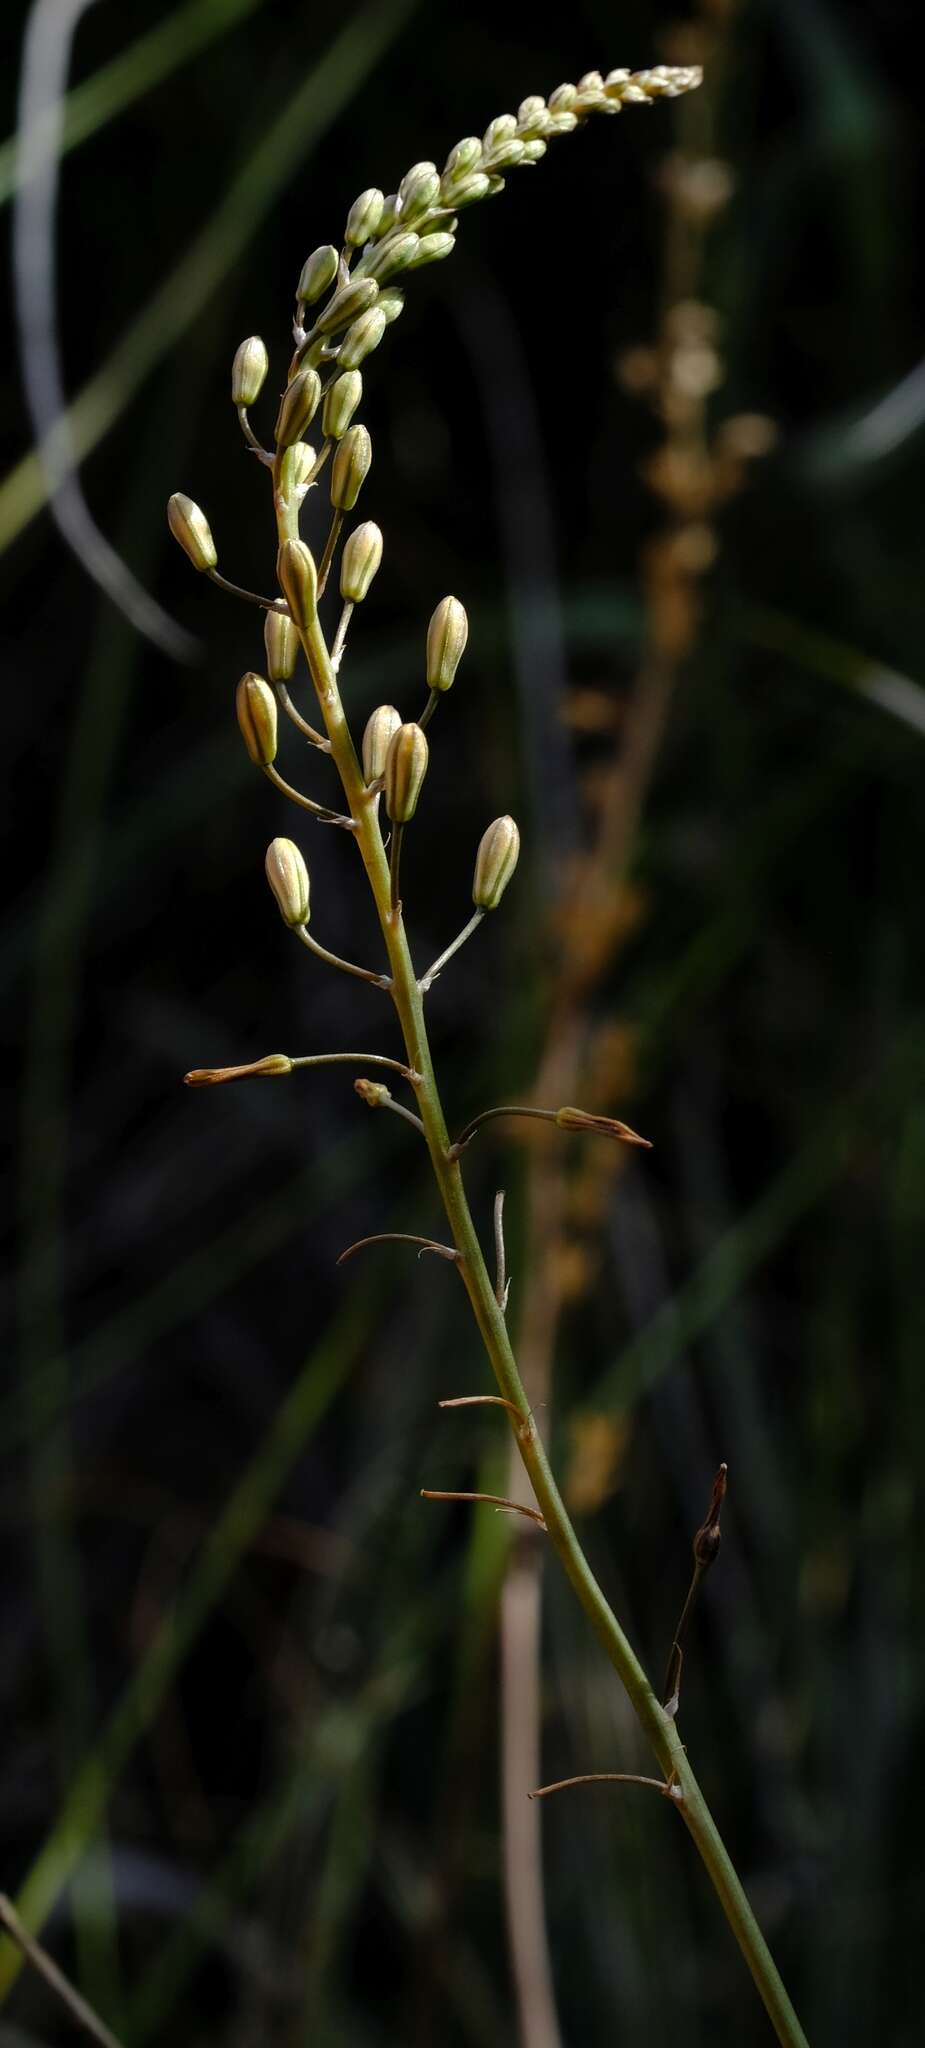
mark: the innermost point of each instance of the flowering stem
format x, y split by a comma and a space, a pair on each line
406, 995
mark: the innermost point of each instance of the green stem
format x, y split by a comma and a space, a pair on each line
657, 1725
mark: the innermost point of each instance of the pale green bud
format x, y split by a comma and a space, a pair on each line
495, 863
298, 581
296, 465
507, 155
381, 727
446, 641
391, 303
282, 644
469, 190
405, 769
287, 875
418, 189
563, 124
501, 129
362, 337
364, 217
464, 157
351, 300
388, 216
563, 99
248, 371
350, 467
255, 705
190, 527
533, 150
432, 249
298, 406
340, 404
359, 562
532, 116
390, 257
318, 274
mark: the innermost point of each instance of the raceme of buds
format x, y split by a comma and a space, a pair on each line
273, 1063
298, 406
318, 274
255, 705
362, 337
191, 528
604, 1126
364, 217
405, 769
446, 640
360, 561
298, 580
495, 862
287, 875
248, 371
340, 403
350, 467
381, 727
419, 189
282, 644
352, 299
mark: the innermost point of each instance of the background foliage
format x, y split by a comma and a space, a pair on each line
291, 1828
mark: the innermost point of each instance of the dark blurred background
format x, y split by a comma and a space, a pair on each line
250, 1681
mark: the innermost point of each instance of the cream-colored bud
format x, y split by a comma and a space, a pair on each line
532, 116
432, 249
295, 468
287, 875
248, 371
362, 337
298, 406
418, 190
392, 256
533, 150
352, 458
469, 189
347, 304
282, 644
507, 154
446, 642
392, 302
405, 769
318, 274
381, 728
190, 527
563, 99
364, 217
495, 862
501, 129
298, 581
464, 157
360, 561
255, 705
340, 403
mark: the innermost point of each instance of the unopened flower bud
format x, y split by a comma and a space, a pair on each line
255, 705
375, 1094
533, 150
351, 463
191, 528
392, 256
532, 116
432, 249
470, 189
272, 1064
501, 129
495, 862
362, 336
563, 99
287, 875
298, 581
388, 216
347, 304
418, 190
295, 469
603, 1126
507, 154
359, 562
298, 407
340, 403
318, 274
391, 303
364, 217
248, 371
381, 728
446, 640
405, 769
282, 644
464, 157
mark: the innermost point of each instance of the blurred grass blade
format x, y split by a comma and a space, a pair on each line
133, 74
313, 108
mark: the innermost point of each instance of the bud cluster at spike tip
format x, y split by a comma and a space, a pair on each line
287, 875
248, 371
405, 769
189, 526
447, 635
360, 562
255, 706
381, 727
495, 861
